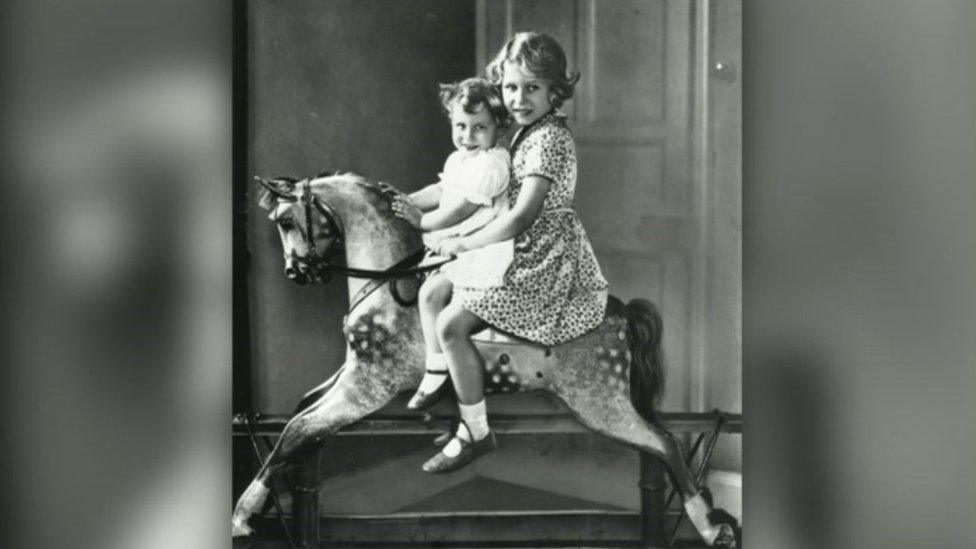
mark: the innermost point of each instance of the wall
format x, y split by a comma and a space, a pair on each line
337, 85
722, 162
718, 123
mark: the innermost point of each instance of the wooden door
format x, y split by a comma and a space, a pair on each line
637, 192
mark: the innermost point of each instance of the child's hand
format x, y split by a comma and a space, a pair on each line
407, 210
451, 246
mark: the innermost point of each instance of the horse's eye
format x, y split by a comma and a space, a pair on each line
286, 224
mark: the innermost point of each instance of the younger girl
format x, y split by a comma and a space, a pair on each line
471, 192
554, 290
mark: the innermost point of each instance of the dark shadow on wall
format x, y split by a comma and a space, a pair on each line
338, 85
792, 452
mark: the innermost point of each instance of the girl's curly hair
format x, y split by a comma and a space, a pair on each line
544, 57
471, 94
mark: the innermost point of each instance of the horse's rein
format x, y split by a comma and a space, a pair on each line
402, 269
398, 270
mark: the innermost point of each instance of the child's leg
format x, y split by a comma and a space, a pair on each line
454, 328
435, 293
473, 438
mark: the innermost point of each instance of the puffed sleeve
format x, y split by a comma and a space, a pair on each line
548, 153
484, 176
451, 167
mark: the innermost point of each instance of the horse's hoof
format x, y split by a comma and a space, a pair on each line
239, 528
725, 538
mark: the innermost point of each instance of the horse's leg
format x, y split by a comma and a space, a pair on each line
603, 404
315, 394
357, 392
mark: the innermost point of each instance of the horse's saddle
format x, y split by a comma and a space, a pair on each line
494, 335
508, 357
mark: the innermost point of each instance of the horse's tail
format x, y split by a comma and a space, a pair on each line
645, 328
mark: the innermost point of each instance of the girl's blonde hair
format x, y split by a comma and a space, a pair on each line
473, 92
544, 57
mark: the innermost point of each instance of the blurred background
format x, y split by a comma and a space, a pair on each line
857, 260
353, 85
117, 272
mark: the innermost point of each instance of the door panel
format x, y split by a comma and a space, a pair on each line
632, 124
624, 54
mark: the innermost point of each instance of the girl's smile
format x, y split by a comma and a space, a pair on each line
472, 132
526, 96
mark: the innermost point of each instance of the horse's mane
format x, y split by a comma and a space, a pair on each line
267, 199
377, 186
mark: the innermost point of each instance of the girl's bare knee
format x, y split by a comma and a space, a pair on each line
427, 296
434, 292
447, 329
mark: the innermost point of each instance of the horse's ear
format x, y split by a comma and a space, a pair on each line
273, 190
286, 185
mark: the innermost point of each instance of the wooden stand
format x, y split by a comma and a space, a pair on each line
649, 528
305, 501
652, 488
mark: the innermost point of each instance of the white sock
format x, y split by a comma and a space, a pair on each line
453, 447
474, 427
476, 417
435, 363
697, 509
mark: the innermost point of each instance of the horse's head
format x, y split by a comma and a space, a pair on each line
318, 216
308, 227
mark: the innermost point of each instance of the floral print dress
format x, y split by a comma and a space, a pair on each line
554, 290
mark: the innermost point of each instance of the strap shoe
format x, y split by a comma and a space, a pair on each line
470, 451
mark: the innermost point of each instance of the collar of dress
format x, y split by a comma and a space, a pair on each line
550, 116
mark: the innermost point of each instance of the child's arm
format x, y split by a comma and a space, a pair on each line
451, 212
507, 225
412, 207
427, 198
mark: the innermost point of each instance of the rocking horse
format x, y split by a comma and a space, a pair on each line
609, 377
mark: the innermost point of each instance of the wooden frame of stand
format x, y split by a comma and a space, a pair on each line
651, 525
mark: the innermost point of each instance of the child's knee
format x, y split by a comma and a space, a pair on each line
426, 294
448, 330
434, 292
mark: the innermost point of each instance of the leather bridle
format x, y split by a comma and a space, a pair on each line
318, 265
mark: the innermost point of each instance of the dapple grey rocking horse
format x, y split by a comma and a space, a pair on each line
608, 377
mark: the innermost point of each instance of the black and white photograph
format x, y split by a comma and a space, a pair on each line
472, 274
491, 274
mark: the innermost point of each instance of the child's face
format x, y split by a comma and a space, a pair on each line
476, 131
526, 96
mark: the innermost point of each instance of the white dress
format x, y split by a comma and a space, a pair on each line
480, 177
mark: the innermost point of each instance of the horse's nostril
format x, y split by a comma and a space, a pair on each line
296, 276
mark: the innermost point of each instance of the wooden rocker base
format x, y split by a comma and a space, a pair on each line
654, 526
